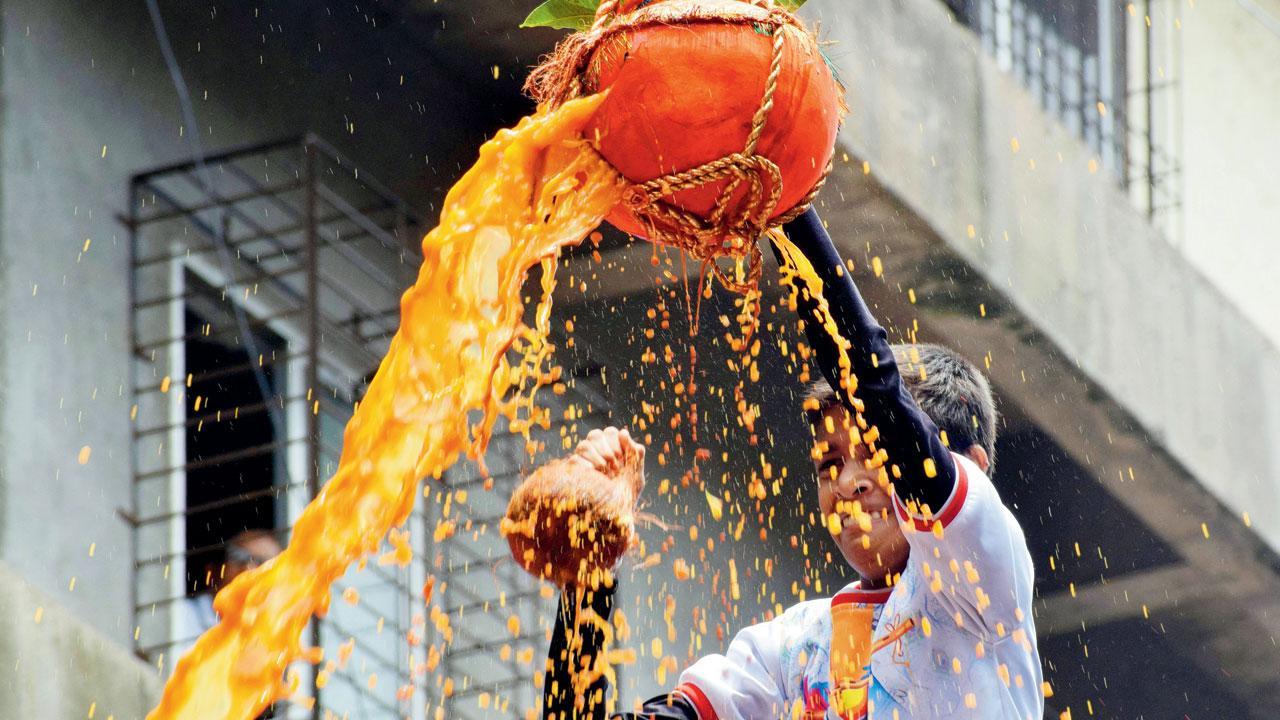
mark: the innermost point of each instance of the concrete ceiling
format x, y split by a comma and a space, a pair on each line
471, 38
489, 29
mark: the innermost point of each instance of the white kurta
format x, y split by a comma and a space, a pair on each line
953, 638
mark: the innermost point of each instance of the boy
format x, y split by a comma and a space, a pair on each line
939, 625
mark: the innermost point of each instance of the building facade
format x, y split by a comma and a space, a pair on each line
1075, 195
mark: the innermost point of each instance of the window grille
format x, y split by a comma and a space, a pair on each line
1108, 71
307, 292
260, 307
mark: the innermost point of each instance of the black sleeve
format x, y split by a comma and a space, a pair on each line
907, 435
570, 652
567, 653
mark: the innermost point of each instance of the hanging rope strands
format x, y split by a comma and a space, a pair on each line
722, 133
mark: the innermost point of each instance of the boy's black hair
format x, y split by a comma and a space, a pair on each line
948, 388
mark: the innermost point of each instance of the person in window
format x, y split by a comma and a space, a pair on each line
242, 552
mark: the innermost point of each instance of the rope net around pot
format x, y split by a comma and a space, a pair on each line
745, 206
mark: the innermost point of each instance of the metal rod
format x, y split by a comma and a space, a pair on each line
225, 457
223, 372
157, 559
139, 520
259, 275
233, 152
362, 690
1151, 185
135, 502
329, 406
219, 202
253, 237
313, 360
258, 322
243, 454
378, 659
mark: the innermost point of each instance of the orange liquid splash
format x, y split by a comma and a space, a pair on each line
795, 266
535, 189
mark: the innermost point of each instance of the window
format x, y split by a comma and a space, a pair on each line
235, 471
260, 307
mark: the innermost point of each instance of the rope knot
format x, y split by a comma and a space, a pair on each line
635, 198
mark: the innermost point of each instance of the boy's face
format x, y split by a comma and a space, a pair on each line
868, 532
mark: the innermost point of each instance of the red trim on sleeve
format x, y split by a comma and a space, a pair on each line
949, 509
694, 694
855, 594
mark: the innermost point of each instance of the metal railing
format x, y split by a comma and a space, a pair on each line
1107, 70
499, 614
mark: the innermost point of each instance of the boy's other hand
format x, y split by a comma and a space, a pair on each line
612, 451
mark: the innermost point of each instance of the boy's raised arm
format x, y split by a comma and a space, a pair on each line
574, 647
578, 640
570, 652
908, 435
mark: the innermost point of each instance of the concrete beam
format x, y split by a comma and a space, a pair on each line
1138, 594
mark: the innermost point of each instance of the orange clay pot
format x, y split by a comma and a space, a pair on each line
683, 92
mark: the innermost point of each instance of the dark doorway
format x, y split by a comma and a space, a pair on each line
234, 457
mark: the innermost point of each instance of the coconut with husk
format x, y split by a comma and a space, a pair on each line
571, 523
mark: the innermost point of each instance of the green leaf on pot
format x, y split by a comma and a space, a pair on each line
565, 14
579, 14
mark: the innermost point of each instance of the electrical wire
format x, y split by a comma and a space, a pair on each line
187, 108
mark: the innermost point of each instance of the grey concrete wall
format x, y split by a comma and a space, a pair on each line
1021, 199
1228, 102
58, 667
86, 102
